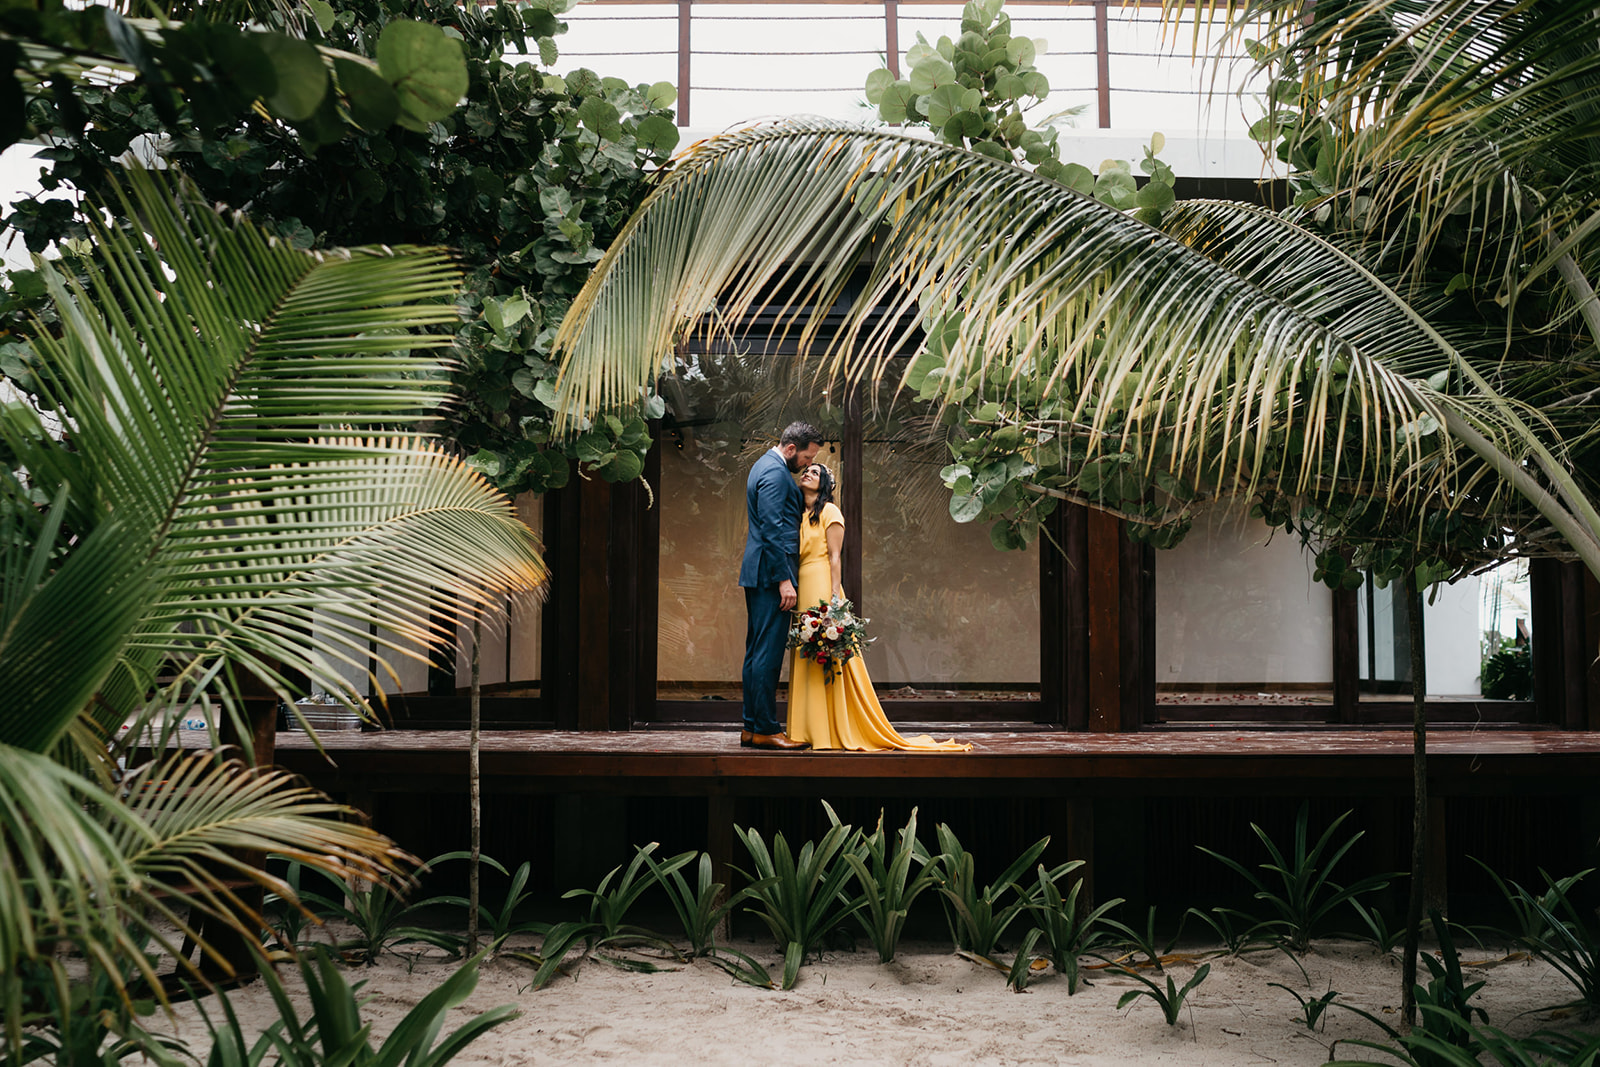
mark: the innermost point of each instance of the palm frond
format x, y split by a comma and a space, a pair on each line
1439, 110
1018, 277
116, 876
1245, 351
226, 494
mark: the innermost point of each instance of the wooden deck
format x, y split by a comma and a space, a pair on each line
1002, 763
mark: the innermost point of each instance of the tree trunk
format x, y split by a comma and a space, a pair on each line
474, 789
1419, 803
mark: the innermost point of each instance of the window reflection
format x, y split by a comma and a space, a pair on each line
1477, 637
947, 607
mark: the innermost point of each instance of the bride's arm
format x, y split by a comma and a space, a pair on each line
835, 547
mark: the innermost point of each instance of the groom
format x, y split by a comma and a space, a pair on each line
769, 573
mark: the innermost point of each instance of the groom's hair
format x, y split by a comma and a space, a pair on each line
800, 434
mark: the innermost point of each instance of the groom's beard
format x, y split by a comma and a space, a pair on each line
793, 463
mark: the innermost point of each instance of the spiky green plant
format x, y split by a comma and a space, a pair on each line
804, 896
888, 889
1298, 884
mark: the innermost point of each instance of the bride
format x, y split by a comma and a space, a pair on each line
844, 713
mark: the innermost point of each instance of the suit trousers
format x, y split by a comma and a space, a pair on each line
765, 642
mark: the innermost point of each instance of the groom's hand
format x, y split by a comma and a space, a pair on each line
787, 597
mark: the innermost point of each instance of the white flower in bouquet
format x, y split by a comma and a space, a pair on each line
832, 633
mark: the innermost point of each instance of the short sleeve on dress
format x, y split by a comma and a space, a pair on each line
831, 515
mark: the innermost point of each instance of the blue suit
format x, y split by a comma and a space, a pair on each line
773, 504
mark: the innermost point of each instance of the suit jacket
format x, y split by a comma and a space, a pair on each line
773, 504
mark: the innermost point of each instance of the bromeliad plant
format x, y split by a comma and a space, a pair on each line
1298, 886
702, 908
1237, 931
1067, 934
1144, 942
1171, 998
382, 918
803, 897
888, 888
503, 924
335, 1033
1312, 1009
1550, 926
978, 918
606, 924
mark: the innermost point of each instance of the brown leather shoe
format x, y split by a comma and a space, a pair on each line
779, 741
746, 738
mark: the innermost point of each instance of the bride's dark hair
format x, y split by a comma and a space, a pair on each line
825, 483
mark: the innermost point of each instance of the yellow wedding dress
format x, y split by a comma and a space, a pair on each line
845, 712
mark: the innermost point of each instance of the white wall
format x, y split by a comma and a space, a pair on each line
1235, 609
1451, 639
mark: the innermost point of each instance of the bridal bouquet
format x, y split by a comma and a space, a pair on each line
830, 634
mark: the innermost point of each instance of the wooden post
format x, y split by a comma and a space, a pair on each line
1104, 589
1080, 846
1346, 655
593, 698
891, 36
850, 463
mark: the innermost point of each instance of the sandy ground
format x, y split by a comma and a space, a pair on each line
928, 1007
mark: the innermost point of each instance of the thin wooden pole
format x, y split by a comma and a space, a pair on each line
474, 787
1419, 804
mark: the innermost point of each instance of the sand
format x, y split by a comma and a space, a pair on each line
929, 1007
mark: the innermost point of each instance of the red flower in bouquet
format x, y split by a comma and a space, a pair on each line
830, 634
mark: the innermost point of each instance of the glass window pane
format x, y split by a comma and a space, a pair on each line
1477, 638
510, 658
723, 410
1238, 617
1156, 85
700, 638
946, 607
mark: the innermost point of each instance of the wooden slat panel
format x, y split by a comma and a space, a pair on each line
559, 655
1591, 606
1075, 540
